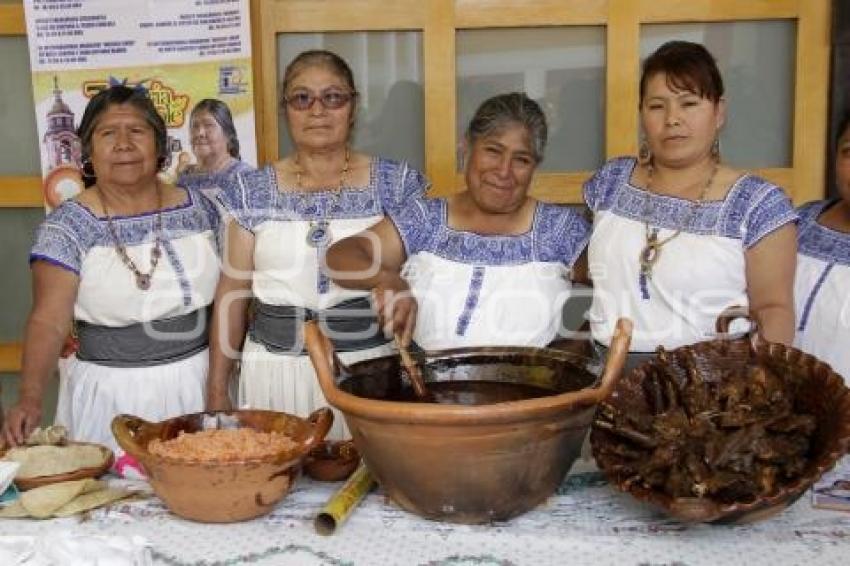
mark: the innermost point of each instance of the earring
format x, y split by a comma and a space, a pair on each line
87, 170
715, 148
644, 153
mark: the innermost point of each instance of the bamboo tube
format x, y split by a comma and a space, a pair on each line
343, 502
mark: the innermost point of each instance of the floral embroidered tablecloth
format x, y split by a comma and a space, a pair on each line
585, 522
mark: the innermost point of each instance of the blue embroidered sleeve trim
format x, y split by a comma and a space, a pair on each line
398, 183
810, 300
818, 241
600, 190
561, 234
417, 223
66, 235
50, 260
769, 209
475, 284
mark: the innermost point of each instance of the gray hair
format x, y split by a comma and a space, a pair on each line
500, 111
221, 114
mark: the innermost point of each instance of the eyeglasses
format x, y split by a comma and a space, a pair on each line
330, 99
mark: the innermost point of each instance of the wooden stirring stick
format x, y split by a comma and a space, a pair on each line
413, 371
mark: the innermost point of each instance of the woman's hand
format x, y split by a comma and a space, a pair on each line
21, 419
395, 306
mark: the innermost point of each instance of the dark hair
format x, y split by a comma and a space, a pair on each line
221, 114
100, 103
687, 66
320, 58
499, 111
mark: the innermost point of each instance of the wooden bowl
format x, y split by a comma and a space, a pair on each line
332, 461
25, 484
223, 492
821, 393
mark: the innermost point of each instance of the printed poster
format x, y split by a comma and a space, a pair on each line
179, 51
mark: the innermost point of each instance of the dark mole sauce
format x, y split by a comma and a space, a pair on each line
462, 392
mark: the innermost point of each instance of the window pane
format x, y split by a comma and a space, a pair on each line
757, 62
19, 154
17, 227
562, 68
387, 69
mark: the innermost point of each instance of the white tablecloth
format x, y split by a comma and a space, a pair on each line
585, 522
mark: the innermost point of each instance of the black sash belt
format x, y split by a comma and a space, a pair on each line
351, 325
143, 344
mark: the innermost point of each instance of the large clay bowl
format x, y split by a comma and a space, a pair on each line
468, 463
228, 491
822, 393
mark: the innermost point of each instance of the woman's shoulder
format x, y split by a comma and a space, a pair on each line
755, 207
562, 231
397, 180
600, 188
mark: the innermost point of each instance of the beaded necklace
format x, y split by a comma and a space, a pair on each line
319, 234
651, 251
143, 280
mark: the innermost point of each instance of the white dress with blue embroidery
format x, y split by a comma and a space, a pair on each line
286, 270
822, 290
699, 273
211, 184
73, 238
479, 290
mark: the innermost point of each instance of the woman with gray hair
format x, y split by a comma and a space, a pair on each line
216, 148
487, 266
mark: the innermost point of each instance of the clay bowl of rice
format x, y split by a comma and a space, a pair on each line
225, 466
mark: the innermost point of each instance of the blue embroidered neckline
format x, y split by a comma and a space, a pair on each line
670, 212
186, 218
556, 235
220, 179
350, 202
819, 241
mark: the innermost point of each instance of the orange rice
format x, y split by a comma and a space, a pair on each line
222, 445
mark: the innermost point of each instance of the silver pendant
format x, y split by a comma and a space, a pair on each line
319, 234
143, 281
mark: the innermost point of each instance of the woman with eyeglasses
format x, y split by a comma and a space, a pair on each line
285, 216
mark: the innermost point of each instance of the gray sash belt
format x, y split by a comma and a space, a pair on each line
351, 325
143, 344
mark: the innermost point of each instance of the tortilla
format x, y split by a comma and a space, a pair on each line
39, 461
14, 510
91, 500
42, 502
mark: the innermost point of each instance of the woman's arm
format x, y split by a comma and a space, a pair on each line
229, 320
372, 260
770, 268
54, 291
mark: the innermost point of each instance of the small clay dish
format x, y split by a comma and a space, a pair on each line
24, 484
332, 460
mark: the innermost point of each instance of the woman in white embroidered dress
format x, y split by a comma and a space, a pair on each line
488, 266
286, 215
677, 236
216, 148
132, 262
823, 269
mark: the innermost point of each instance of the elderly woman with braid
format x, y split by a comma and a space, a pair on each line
678, 237
132, 264
487, 266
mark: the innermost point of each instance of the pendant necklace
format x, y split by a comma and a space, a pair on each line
319, 234
652, 248
143, 280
